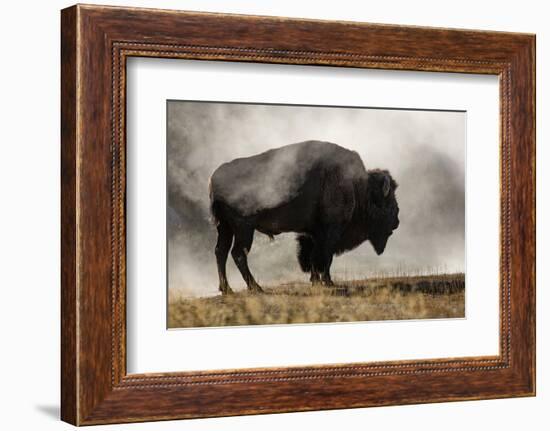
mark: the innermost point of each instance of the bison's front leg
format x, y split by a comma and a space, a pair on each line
315, 278
325, 276
306, 256
241, 247
323, 253
320, 269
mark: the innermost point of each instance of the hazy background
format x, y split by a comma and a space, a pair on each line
423, 150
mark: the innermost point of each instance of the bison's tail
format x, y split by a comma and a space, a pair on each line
213, 205
305, 248
214, 213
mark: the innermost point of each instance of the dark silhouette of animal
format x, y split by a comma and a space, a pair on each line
319, 190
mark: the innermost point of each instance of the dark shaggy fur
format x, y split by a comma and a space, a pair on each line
317, 189
305, 249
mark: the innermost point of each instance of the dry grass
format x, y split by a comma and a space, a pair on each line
389, 298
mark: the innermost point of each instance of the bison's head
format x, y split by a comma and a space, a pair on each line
382, 208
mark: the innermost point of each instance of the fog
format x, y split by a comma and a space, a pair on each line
423, 150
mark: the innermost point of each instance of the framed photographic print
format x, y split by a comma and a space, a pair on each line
263, 214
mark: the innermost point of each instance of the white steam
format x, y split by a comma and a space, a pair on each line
423, 150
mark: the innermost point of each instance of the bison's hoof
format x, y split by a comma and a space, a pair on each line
226, 290
328, 283
255, 288
315, 281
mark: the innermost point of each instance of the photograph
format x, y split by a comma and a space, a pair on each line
299, 214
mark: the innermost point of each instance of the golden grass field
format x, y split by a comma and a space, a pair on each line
387, 298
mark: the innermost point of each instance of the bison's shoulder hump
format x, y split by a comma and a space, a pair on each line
274, 177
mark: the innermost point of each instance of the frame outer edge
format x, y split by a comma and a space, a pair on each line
69, 200
531, 84
532, 199
533, 53
524, 215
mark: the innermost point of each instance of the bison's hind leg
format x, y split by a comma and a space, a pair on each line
225, 239
240, 250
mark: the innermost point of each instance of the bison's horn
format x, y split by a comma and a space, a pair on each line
386, 186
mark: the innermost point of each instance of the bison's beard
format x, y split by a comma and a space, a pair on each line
379, 243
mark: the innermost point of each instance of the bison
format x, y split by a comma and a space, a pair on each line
319, 190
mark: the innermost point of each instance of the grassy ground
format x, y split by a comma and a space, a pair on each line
390, 298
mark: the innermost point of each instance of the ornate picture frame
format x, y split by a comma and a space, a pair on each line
96, 41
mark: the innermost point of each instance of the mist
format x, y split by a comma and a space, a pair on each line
423, 150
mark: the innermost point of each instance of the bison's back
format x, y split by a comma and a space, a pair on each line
268, 180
